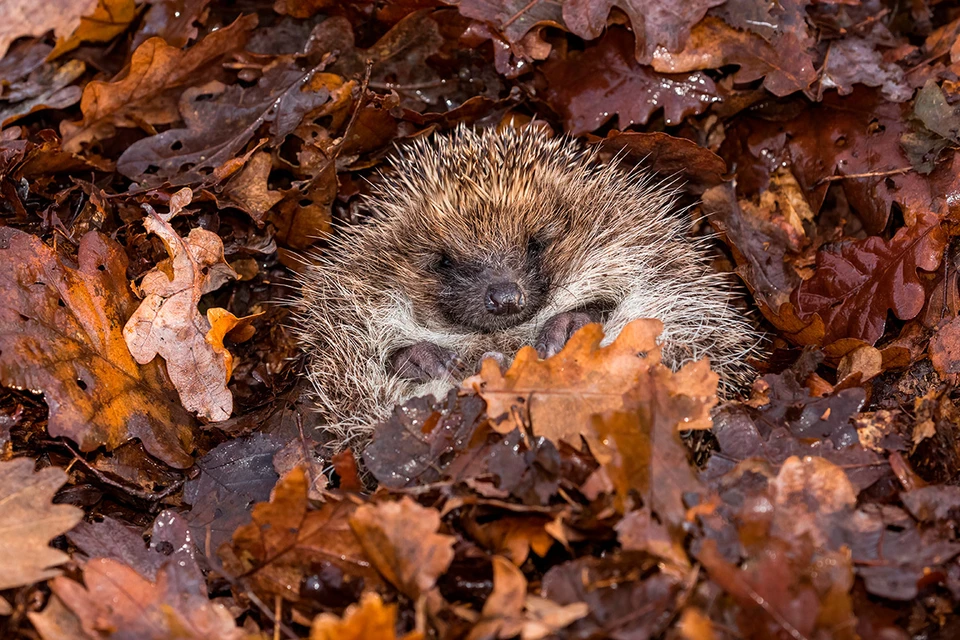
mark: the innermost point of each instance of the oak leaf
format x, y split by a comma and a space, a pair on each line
167, 323
109, 19
370, 618
60, 334
221, 119
560, 395
858, 282
276, 549
402, 542
147, 92
656, 25
28, 18
589, 87
115, 597
28, 521
786, 66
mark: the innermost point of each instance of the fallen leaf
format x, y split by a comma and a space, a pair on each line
167, 322
249, 189
858, 282
589, 87
559, 396
233, 477
276, 550
668, 156
786, 65
146, 93
109, 19
175, 21
61, 335
854, 60
221, 119
27, 18
115, 597
655, 25
402, 542
370, 619
29, 520
50, 87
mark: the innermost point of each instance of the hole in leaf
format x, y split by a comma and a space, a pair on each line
176, 146
305, 202
101, 267
60, 302
81, 384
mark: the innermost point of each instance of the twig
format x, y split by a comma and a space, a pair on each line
141, 494
871, 174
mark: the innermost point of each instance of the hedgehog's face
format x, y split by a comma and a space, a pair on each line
480, 286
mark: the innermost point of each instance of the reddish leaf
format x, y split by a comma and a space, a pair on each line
588, 88
858, 282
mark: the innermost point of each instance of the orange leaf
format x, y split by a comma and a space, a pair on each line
60, 334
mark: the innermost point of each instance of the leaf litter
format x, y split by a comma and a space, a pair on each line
594, 494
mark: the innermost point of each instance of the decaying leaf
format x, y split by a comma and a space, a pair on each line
402, 542
114, 596
589, 87
167, 323
146, 93
857, 283
371, 618
27, 18
276, 550
221, 120
61, 335
28, 521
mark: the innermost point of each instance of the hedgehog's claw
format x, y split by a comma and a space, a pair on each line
425, 361
557, 331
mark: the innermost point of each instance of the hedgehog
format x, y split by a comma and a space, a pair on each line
480, 242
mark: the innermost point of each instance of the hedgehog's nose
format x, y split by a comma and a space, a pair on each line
504, 299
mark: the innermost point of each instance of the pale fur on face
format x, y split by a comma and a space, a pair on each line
607, 238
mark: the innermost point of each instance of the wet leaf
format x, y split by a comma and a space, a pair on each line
221, 119
109, 19
589, 87
61, 335
28, 521
233, 476
858, 282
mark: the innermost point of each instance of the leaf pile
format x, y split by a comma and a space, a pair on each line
163, 167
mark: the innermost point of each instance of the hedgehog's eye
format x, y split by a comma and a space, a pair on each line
536, 246
444, 261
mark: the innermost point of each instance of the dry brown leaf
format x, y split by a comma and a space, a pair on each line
28, 521
109, 19
277, 548
401, 541
167, 323
28, 18
146, 94
249, 190
370, 619
60, 334
116, 599
510, 612
50, 87
560, 395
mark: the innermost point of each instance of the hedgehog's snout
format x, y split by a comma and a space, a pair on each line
504, 299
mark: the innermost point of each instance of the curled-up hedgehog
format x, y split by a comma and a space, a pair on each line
481, 242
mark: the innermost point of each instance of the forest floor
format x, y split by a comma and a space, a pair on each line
164, 164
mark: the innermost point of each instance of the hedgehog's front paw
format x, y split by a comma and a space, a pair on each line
558, 329
423, 362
